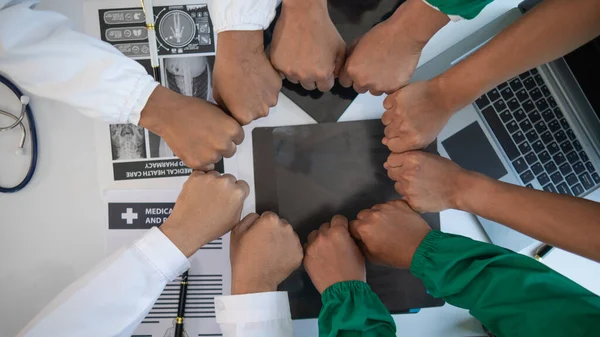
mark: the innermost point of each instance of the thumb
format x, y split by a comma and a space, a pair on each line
340, 60
400, 145
353, 228
246, 223
219, 100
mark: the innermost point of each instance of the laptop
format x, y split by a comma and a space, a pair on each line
540, 129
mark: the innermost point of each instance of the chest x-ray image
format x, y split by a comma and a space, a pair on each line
128, 141
189, 76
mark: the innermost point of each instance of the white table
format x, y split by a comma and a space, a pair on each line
55, 230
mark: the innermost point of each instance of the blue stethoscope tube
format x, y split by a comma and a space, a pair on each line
34, 141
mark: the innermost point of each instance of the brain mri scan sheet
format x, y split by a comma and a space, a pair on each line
309, 173
352, 18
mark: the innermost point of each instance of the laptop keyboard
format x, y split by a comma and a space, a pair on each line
536, 137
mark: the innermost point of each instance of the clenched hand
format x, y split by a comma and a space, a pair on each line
244, 81
428, 182
198, 132
385, 58
209, 206
307, 47
389, 233
332, 256
414, 116
265, 250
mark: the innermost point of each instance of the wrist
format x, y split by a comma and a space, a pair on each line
241, 286
414, 247
181, 238
449, 99
153, 117
240, 42
470, 190
419, 20
463, 83
304, 4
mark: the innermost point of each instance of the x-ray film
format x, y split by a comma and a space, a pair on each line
309, 173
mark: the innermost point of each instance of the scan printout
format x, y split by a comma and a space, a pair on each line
130, 156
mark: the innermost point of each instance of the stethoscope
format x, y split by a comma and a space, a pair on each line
18, 122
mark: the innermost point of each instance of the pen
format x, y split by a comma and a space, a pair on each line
542, 251
148, 8
181, 305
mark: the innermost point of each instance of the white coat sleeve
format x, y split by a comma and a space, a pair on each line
243, 14
45, 58
113, 298
254, 315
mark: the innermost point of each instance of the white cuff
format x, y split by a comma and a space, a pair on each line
453, 18
243, 14
259, 307
162, 254
139, 98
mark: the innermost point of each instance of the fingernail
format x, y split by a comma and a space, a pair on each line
386, 165
384, 141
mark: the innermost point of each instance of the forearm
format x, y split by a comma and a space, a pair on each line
511, 294
353, 309
551, 30
47, 59
120, 292
567, 222
419, 20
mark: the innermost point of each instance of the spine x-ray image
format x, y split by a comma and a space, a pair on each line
128, 141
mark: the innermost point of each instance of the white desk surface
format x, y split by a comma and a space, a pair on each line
55, 230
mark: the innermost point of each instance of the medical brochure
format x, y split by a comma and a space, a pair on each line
130, 214
130, 156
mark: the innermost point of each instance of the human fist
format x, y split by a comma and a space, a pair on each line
244, 81
208, 207
414, 116
198, 132
385, 58
389, 233
428, 182
264, 251
306, 47
332, 256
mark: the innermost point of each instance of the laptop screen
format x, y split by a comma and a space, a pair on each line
585, 65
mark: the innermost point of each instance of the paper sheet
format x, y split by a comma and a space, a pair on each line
130, 156
130, 214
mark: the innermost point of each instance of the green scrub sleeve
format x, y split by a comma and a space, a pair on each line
511, 294
352, 309
466, 9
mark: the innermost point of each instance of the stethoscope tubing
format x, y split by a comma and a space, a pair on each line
25, 111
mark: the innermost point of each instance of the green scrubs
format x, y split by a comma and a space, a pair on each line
511, 294
466, 9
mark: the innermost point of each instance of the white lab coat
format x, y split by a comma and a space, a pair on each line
45, 58
252, 14
114, 297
